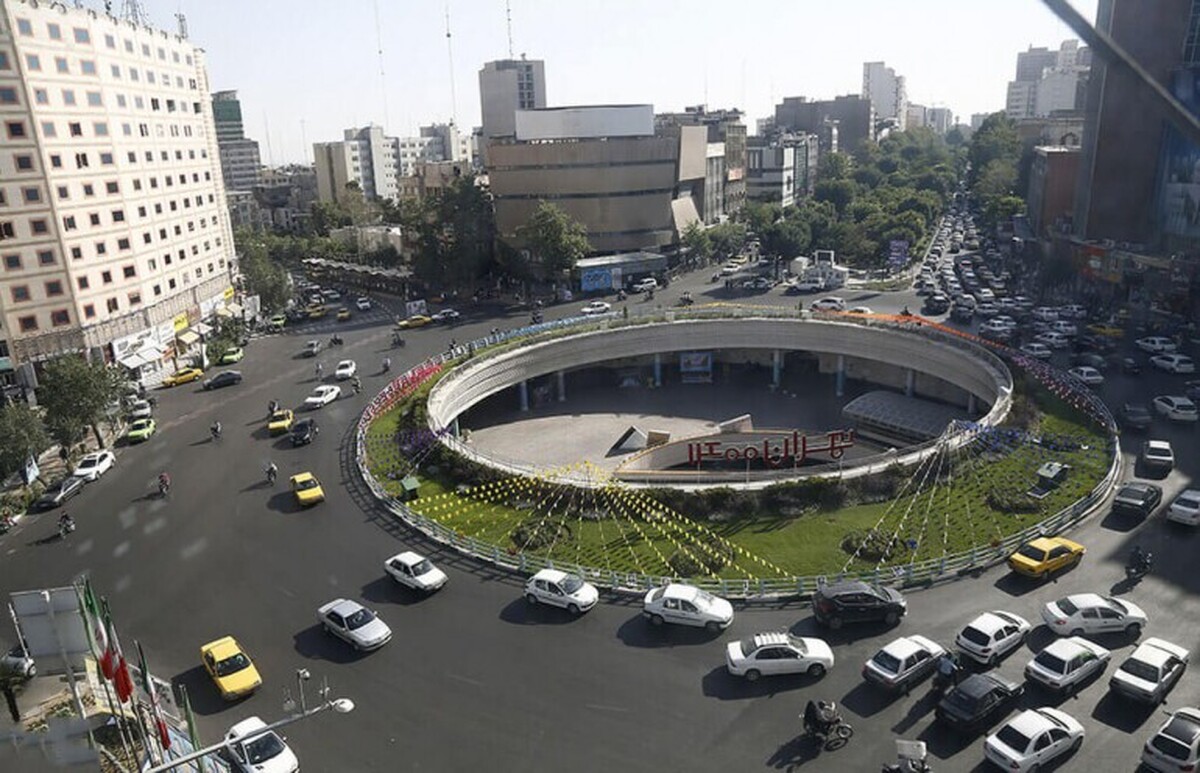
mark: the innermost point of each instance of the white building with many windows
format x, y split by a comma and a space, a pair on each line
114, 233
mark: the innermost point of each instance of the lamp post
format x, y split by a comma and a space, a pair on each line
339, 705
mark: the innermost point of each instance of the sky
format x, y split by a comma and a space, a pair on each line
306, 70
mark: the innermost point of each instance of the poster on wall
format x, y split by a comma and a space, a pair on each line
413, 308
696, 367
594, 279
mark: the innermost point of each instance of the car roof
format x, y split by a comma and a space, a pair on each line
1159, 444
678, 590
1030, 723
903, 647
1155, 651
1184, 726
847, 586
989, 623
550, 575
770, 639
978, 685
408, 558
300, 477
1085, 600
223, 647
1136, 485
1070, 646
245, 727
343, 607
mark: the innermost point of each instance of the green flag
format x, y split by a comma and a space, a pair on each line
193, 734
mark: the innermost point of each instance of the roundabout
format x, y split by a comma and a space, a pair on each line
781, 508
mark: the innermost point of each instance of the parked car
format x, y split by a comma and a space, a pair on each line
1043, 556
645, 285
232, 356
1155, 344
595, 308
1176, 745
560, 589
1150, 671
227, 378
857, 602
1186, 508
1157, 455
141, 430
771, 654
1032, 739
1138, 498
93, 465
1175, 408
183, 376
363, 303
1089, 360
262, 753
1135, 416
991, 636
1053, 339
140, 409
1087, 375
1065, 663
903, 662
415, 571
812, 284
304, 431
1091, 613
1174, 363
978, 701
1035, 349
58, 492
687, 605
354, 624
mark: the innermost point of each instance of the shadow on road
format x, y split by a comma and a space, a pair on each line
944, 743
866, 701
1016, 585
639, 632
920, 709
719, 683
809, 626
385, 590
283, 501
315, 643
1121, 714
202, 693
796, 752
521, 612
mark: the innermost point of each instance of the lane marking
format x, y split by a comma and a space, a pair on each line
601, 707
465, 679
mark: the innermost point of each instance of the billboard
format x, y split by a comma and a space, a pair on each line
696, 367
593, 279
897, 252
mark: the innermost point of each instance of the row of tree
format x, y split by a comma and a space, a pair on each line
996, 158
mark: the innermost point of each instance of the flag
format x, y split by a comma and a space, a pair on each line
97, 636
121, 678
160, 723
108, 660
193, 733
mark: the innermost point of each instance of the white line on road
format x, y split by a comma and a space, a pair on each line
287, 592
600, 707
466, 679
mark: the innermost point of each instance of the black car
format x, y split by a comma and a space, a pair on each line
1135, 416
857, 602
937, 304
978, 701
304, 432
228, 378
1137, 498
962, 313
59, 492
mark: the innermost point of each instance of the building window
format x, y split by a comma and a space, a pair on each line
33, 63
6, 230
110, 41
101, 248
116, 73
64, 192
122, 244
87, 66
171, 284
135, 299
39, 227
77, 253
16, 129
54, 287
81, 160
28, 324
75, 129
41, 96
55, 31
89, 311
46, 258
60, 317
121, 102
93, 99
118, 215
48, 129
106, 159
60, 64
112, 187
4, 64
24, 27
82, 36
82, 282
94, 217
106, 277
68, 97
113, 306
69, 223
100, 129
32, 195
56, 161
12, 262
88, 190
129, 271
20, 293
24, 163
8, 96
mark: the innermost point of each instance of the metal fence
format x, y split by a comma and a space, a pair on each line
909, 575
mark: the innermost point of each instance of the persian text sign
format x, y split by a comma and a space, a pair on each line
773, 450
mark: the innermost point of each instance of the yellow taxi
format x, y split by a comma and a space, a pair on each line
317, 311
280, 421
1108, 331
307, 489
183, 376
416, 320
1044, 556
343, 314
230, 667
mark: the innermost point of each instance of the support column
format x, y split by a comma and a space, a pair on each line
840, 383
454, 428
971, 403
562, 387
523, 391
657, 369
777, 367
910, 382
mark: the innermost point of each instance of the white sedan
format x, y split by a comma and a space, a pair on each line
1175, 407
345, 369
363, 303
354, 624
1065, 663
903, 662
595, 307
991, 636
321, 396
1087, 375
92, 466
1030, 740
1087, 613
413, 570
1150, 671
1155, 344
262, 753
1174, 363
1186, 508
445, 315
1040, 351
1176, 745
559, 589
687, 605
829, 304
768, 654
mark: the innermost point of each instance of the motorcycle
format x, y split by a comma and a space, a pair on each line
335, 340
65, 528
1139, 565
398, 340
164, 486
833, 731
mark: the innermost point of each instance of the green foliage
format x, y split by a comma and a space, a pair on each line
787, 238
871, 545
24, 437
697, 240
453, 231
995, 153
76, 395
540, 532
757, 215
728, 238
556, 240
263, 276
1011, 501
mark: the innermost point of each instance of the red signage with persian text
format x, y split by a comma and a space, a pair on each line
774, 451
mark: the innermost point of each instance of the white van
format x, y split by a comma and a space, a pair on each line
642, 285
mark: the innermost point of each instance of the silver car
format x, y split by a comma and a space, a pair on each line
355, 624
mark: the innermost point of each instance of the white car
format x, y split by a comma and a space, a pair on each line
1150, 671
1040, 351
1158, 454
1088, 375
1005, 321
860, 310
987, 309
1030, 740
1176, 745
559, 589
1175, 407
1186, 508
1065, 663
1053, 339
644, 285
413, 570
903, 662
445, 315
1045, 314
991, 636
829, 304
1072, 311
363, 303
810, 285
1155, 344
687, 605
596, 307
768, 654
1174, 363
140, 409
321, 396
92, 466
345, 369
1087, 613
354, 624
1066, 328
263, 753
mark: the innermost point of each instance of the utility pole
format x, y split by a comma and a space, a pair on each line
450, 54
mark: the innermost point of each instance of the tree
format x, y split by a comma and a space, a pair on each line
24, 437
838, 192
76, 395
834, 166
787, 238
261, 275
728, 238
696, 239
556, 240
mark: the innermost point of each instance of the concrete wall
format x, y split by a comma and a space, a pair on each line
558, 123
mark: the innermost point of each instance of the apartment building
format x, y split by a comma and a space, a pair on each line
114, 233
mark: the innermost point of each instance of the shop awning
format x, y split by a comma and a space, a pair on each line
189, 337
202, 328
224, 312
235, 309
137, 359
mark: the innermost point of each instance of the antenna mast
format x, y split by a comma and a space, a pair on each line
382, 77
132, 10
450, 54
508, 20
181, 21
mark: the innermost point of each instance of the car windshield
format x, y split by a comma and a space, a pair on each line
1032, 552
960, 700
88, 461
1066, 606
232, 664
305, 485
1191, 503
704, 599
976, 636
747, 646
886, 661
1168, 743
571, 583
422, 567
1140, 670
1013, 738
359, 618
263, 748
1050, 662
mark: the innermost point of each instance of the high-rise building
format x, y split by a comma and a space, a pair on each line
1031, 63
381, 166
240, 160
916, 116
114, 233
506, 86
887, 92
726, 128
1048, 82
940, 119
842, 123
781, 168
977, 120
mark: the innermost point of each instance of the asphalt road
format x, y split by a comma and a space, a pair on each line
475, 680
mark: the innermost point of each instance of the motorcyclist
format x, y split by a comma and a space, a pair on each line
272, 407
215, 429
357, 384
1139, 559
387, 364
164, 482
66, 524
320, 369
272, 473
819, 717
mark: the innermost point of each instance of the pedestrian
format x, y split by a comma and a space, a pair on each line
320, 370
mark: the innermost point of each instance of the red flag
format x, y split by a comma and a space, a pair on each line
108, 661
160, 723
122, 681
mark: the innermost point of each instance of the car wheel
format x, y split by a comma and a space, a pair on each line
712, 626
835, 623
816, 670
752, 675
573, 608
1076, 744
1133, 630
1077, 632
891, 618
1035, 769
992, 660
532, 599
656, 620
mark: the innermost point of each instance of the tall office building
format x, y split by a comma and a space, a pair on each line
842, 123
1048, 82
726, 128
114, 233
506, 86
887, 92
240, 160
380, 165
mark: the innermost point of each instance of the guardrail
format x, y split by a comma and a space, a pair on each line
915, 574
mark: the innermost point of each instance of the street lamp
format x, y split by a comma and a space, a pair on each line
339, 706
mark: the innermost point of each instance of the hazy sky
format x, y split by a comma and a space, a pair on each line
317, 61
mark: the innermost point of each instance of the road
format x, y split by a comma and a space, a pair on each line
475, 680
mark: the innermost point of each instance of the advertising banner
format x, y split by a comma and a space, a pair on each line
897, 252
593, 279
